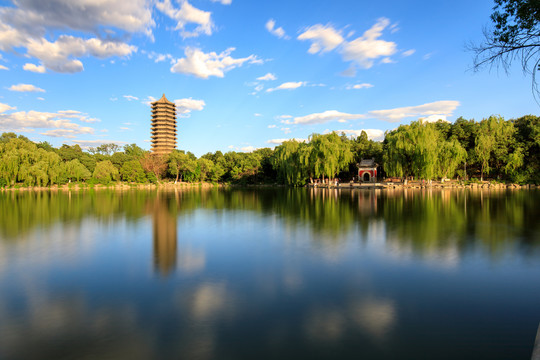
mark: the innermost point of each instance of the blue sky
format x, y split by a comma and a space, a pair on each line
244, 74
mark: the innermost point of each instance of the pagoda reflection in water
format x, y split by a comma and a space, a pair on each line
164, 233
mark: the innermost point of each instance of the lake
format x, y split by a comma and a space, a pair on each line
269, 274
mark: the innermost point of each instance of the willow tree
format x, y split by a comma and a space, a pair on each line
286, 161
74, 169
451, 156
328, 155
398, 152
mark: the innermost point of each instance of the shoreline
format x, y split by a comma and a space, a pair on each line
342, 186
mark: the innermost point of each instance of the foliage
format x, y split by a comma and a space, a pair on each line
154, 163
505, 150
132, 171
105, 172
515, 35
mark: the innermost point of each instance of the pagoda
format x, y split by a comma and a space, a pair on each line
163, 126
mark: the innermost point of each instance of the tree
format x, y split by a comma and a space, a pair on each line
181, 163
134, 151
132, 171
155, 164
105, 172
515, 35
74, 169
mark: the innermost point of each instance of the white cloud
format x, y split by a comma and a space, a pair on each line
373, 134
26, 25
35, 16
34, 68
67, 133
248, 148
288, 86
188, 14
286, 130
368, 47
25, 88
2, 67
130, 97
323, 38
61, 123
430, 111
279, 32
434, 118
224, 2
257, 115
359, 86
362, 51
185, 106
409, 52
159, 57
438, 109
59, 55
272, 126
5, 107
149, 100
204, 65
267, 77
326, 116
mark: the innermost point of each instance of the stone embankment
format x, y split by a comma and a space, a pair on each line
422, 185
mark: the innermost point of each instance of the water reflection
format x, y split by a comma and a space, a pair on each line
164, 210
262, 273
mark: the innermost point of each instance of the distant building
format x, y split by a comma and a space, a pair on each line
163, 126
367, 170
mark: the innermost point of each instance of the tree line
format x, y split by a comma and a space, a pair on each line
506, 150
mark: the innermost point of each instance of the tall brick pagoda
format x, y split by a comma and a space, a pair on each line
163, 126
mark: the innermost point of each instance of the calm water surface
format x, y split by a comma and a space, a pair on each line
269, 274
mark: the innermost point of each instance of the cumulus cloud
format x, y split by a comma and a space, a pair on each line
26, 25
288, 86
271, 27
34, 68
35, 16
185, 15
2, 67
369, 47
60, 123
204, 65
224, 2
5, 107
362, 51
429, 112
267, 77
60, 55
25, 88
323, 38
185, 106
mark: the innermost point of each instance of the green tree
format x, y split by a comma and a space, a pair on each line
105, 172
132, 171
75, 170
